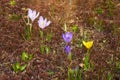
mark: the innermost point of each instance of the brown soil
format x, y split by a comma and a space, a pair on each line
105, 53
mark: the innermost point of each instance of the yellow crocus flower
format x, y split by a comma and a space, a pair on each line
88, 44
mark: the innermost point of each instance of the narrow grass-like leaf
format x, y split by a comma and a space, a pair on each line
22, 68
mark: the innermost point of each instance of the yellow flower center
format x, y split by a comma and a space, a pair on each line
43, 23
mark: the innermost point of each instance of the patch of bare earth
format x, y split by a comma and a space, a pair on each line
79, 13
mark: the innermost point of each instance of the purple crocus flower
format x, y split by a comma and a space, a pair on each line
67, 49
67, 37
43, 22
32, 14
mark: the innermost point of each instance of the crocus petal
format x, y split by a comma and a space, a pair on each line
70, 35
63, 35
67, 37
45, 21
34, 13
67, 49
37, 15
88, 44
41, 18
29, 12
40, 24
48, 23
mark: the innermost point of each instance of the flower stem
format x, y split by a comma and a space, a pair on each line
70, 56
88, 51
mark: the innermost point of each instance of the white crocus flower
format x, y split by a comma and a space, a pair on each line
43, 22
32, 14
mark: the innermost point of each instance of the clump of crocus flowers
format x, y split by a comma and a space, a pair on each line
32, 15
42, 23
67, 38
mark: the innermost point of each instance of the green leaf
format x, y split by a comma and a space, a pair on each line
75, 28
25, 56
71, 71
65, 27
17, 65
30, 56
117, 66
86, 62
49, 37
22, 68
70, 56
92, 21
42, 48
41, 33
51, 72
99, 10
12, 2
47, 49
15, 17
28, 32
70, 74
14, 68
110, 76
